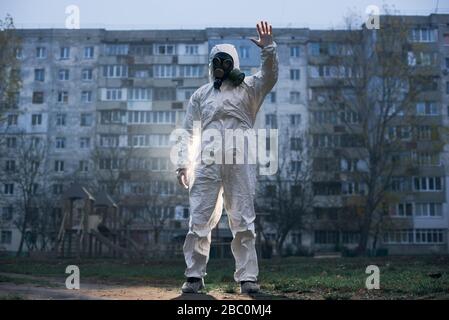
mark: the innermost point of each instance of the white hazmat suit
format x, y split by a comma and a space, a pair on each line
211, 185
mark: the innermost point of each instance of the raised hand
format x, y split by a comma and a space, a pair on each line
265, 32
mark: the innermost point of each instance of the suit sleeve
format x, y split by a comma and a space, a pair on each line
264, 80
192, 116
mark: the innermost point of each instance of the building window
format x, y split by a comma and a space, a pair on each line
428, 236
61, 119
350, 237
88, 52
405, 236
426, 158
39, 75
12, 119
165, 49
244, 52
295, 166
138, 50
63, 74
353, 188
59, 166
19, 53
10, 165
86, 119
295, 119
115, 71
295, 97
111, 140
60, 143
164, 71
322, 117
86, 74
273, 97
295, 144
84, 166
141, 74
63, 97
113, 94
109, 163
142, 117
113, 116
271, 121
164, 94
36, 119
38, 97
8, 188
191, 71
117, 49
428, 184
6, 237
11, 142
191, 49
295, 52
139, 94
352, 165
41, 52
159, 164
57, 188
400, 184
428, 209
326, 237
403, 210
427, 109
64, 53
7, 213
86, 96
424, 35
314, 49
84, 143
294, 74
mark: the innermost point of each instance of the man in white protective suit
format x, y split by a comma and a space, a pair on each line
229, 101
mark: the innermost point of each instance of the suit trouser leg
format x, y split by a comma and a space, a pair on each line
206, 205
239, 205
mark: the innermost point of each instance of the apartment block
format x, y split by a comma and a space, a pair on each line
104, 103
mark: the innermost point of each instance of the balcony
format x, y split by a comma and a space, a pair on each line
193, 59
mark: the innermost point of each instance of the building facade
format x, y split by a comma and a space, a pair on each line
105, 102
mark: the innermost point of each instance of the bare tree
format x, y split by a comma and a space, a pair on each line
286, 196
45, 225
373, 88
10, 81
26, 170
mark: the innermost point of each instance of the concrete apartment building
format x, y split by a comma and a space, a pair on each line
106, 102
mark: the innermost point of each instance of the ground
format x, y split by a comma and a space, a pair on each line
286, 278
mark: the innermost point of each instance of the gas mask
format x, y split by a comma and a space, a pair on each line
223, 68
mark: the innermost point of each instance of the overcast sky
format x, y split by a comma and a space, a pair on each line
185, 14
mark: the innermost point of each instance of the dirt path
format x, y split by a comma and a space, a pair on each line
44, 288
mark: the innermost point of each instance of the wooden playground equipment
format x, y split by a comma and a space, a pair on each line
90, 227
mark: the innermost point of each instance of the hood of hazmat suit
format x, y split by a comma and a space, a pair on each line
213, 184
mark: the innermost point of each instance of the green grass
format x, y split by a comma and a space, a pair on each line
12, 297
294, 277
20, 280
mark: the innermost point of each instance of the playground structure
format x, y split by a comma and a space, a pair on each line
90, 227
